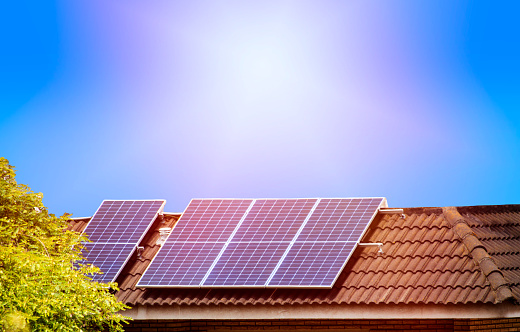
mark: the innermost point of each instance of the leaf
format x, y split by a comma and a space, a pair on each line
40, 275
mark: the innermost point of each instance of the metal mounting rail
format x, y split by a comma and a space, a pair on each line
391, 211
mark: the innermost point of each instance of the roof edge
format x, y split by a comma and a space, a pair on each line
328, 311
479, 253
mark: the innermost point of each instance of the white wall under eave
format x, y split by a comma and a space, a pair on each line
325, 311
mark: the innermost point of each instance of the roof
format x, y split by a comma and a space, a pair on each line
464, 255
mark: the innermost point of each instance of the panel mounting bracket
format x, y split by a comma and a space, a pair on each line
140, 251
380, 245
164, 232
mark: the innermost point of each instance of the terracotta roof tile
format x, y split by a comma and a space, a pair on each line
424, 261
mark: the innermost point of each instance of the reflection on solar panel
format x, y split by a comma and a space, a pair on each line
261, 243
115, 230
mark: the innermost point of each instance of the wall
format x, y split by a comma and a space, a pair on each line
395, 325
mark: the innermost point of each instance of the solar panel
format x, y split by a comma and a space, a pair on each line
115, 230
312, 264
246, 264
109, 257
181, 264
340, 219
261, 243
210, 220
274, 220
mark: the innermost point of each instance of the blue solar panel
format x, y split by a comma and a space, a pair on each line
339, 219
274, 220
261, 243
122, 221
312, 264
108, 257
181, 264
246, 264
210, 220
121, 225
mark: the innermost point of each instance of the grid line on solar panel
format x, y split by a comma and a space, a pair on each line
246, 264
274, 220
313, 264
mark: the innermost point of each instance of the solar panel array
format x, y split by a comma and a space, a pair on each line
261, 243
115, 230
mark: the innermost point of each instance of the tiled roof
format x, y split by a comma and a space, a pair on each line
430, 256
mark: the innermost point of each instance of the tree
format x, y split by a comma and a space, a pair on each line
43, 285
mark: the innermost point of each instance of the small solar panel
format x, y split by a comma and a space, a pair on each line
246, 264
108, 257
181, 264
118, 224
122, 221
261, 243
210, 220
312, 264
274, 220
340, 219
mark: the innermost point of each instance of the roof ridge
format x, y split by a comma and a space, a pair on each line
479, 253
413, 255
401, 227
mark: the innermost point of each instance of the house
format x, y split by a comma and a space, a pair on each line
441, 269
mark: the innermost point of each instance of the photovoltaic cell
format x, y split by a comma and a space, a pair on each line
246, 264
108, 257
181, 264
115, 230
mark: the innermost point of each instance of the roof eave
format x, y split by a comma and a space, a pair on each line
330, 311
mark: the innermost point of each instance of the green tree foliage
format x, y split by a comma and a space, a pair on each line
43, 286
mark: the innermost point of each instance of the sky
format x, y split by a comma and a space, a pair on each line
415, 101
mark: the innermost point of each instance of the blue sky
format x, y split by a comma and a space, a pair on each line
415, 101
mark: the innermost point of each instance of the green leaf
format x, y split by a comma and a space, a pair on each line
42, 284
